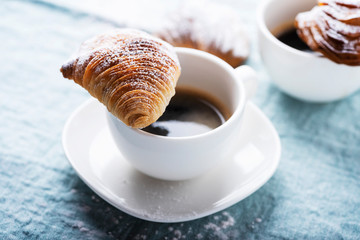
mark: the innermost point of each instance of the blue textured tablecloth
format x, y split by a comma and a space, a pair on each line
315, 193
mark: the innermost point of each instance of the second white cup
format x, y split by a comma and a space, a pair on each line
303, 75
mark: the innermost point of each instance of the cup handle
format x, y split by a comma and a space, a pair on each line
249, 78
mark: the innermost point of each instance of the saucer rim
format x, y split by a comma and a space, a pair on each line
110, 197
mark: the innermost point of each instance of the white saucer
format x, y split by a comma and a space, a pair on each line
91, 151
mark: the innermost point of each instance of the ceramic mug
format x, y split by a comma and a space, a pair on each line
181, 158
303, 75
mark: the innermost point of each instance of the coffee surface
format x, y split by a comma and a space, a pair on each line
290, 38
189, 113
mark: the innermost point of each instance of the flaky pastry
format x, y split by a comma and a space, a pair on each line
333, 28
131, 72
216, 29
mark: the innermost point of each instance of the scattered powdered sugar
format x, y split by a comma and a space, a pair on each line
95, 199
80, 225
220, 229
199, 236
224, 224
214, 26
178, 234
253, 224
229, 222
213, 226
140, 237
84, 229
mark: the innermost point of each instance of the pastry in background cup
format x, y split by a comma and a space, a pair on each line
301, 74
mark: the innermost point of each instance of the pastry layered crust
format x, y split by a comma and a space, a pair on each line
131, 72
215, 29
333, 28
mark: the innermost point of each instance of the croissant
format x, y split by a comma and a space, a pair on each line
215, 29
131, 72
333, 28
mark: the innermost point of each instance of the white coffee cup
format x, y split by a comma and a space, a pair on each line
303, 75
180, 158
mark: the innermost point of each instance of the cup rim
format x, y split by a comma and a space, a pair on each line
265, 30
234, 117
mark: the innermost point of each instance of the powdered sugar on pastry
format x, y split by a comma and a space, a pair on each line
209, 27
131, 72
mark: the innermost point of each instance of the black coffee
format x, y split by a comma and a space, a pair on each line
189, 113
290, 38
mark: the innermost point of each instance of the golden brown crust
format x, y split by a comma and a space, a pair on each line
215, 29
333, 28
132, 73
